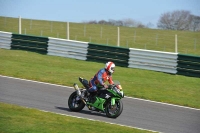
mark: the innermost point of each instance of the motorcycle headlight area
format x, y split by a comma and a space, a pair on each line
119, 87
118, 91
122, 93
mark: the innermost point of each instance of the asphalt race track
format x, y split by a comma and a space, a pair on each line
137, 113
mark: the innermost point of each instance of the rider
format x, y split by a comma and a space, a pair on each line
101, 77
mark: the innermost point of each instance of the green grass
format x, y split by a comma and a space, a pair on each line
138, 83
143, 38
16, 119
157, 86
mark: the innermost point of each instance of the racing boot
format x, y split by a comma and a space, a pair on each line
92, 97
85, 94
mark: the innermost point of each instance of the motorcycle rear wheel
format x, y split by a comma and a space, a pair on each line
115, 110
75, 103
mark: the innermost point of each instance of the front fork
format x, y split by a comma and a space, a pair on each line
113, 99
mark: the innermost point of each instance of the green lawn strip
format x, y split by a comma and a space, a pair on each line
151, 85
16, 119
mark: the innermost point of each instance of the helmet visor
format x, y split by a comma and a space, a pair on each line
112, 68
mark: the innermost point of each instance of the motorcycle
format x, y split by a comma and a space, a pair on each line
106, 101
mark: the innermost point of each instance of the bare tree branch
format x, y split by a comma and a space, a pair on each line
178, 20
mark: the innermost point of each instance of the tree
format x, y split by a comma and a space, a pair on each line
140, 25
195, 23
92, 22
124, 22
115, 22
119, 23
176, 20
132, 23
129, 22
149, 25
102, 22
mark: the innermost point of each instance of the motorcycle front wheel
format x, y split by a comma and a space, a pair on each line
75, 103
115, 110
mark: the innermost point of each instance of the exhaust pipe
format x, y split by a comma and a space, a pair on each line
77, 89
78, 92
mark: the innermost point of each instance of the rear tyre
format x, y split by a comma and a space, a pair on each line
75, 103
115, 110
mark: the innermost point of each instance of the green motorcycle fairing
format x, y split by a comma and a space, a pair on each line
99, 102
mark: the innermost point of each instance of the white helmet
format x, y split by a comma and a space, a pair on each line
110, 67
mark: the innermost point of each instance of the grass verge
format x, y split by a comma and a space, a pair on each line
138, 83
16, 119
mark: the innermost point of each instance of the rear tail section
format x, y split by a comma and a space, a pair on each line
84, 82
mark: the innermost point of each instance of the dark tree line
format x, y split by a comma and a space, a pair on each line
176, 20
125, 22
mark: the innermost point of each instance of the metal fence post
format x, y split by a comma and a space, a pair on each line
118, 37
176, 45
67, 30
19, 24
84, 30
101, 31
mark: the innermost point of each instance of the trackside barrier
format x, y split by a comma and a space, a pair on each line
5, 39
153, 60
103, 53
67, 48
188, 65
167, 62
29, 43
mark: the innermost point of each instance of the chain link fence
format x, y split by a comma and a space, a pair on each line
142, 38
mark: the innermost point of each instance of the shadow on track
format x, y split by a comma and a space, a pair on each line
88, 112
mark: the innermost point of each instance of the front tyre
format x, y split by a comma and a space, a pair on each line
115, 110
75, 103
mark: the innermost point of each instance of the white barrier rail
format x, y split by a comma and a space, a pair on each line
138, 58
67, 48
153, 60
5, 40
